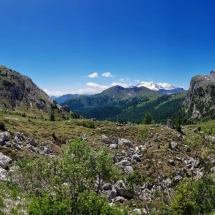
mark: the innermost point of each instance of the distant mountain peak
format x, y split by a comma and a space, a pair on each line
161, 87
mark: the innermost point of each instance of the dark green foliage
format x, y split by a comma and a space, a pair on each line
52, 116
23, 115
54, 106
194, 197
75, 115
88, 123
148, 118
166, 106
68, 181
178, 125
2, 126
54, 136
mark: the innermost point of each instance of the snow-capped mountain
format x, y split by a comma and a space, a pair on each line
162, 87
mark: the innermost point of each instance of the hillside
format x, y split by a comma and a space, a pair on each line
128, 104
160, 156
68, 163
18, 91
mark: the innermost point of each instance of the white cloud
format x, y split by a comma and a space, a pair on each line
121, 79
94, 85
107, 75
137, 80
119, 84
93, 75
91, 88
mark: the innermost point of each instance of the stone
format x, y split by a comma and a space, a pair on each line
104, 137
213, 161
111, 194
119, 199
8, 144
170, 124
139, 149
121, 189
19, 135
173, 145
136, 211
84, 137
17, 146
168, 182
136, 157
199, 174
178, 178
196, 130
128, 169
125, 142
107, 186
171, 162
124, 163
187, 148
4, 160
113, 140
113, 146
32, 142
3, 174
4, 136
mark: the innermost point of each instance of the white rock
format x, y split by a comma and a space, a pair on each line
4, 160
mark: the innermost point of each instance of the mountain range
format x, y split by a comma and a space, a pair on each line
20, 93
127, 104
162, 87
159, 87
63, 98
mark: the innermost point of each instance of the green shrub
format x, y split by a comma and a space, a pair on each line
52, 116
2, 126
88, 124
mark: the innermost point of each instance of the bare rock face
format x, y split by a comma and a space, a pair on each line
200, 98
212, 73
17, 90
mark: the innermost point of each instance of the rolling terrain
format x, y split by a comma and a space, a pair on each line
63, 162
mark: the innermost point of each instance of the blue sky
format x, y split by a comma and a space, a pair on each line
59, 44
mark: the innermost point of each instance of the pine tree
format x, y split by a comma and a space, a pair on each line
148, 118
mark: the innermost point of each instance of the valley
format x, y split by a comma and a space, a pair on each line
100, 158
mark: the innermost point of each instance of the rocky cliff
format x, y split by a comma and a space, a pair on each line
200, 98
17, 91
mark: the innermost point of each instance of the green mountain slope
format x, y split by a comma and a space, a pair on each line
127, 104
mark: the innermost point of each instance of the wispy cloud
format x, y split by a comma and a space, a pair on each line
93, 75
91, 88
107, 75
119, 84
94, 85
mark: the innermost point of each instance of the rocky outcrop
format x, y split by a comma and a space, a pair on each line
200, 98
17, 90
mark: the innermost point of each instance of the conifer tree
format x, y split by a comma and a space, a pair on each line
148, 118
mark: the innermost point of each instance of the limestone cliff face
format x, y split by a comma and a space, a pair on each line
200, 98
17, 90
